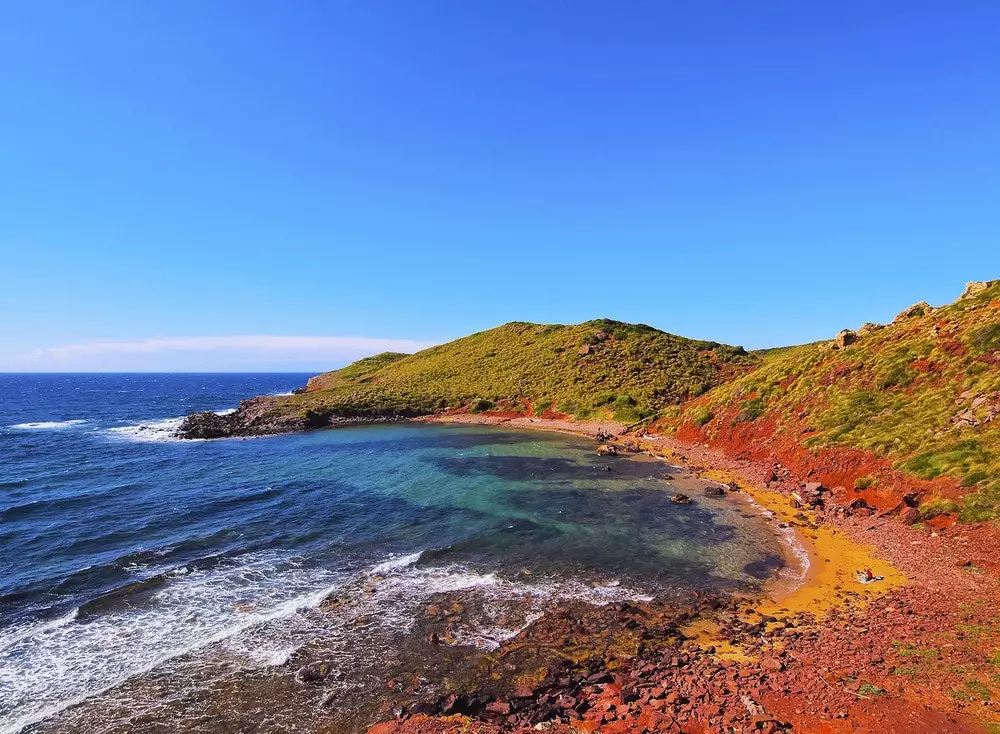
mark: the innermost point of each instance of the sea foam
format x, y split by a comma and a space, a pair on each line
47, 425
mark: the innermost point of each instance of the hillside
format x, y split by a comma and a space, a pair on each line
608, 368
598, 369
922, 394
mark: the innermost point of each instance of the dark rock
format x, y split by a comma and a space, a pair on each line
313, 673
714, 491
681, 499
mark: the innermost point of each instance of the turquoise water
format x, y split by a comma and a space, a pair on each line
124, 551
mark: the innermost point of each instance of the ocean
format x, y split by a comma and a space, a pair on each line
141, 576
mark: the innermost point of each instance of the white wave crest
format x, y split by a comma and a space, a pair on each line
150, 431
47, 425
51, 666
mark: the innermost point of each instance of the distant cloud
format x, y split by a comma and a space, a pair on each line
253, 351
259, 342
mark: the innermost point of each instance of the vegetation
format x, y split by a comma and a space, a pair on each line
922, 392
600, 369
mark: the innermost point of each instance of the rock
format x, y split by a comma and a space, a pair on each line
910, 516
681, 499
860, 504
772, 665
498, 707
206, 425
917, 309
965, 419
813, 487
869, 327
714, 491
313, 673
844, 339
976, 287
770, 476
607, 450
585, 350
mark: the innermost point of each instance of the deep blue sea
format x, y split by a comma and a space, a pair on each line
124, 550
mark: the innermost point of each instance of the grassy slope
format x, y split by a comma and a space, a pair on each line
893, 393
597, 369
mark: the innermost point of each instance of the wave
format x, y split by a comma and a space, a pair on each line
53, 665
47, 425
155, 431
159, 430
257, 611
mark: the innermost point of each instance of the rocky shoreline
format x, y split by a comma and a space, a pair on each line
262, 416
916, 653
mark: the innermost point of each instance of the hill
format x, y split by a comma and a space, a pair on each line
598, 369
921, 394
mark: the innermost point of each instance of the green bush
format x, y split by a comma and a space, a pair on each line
751, 410
481, 405
985, 338
701, 415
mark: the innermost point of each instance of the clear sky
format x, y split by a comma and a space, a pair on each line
287, 185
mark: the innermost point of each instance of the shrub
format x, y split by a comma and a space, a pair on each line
863, 483
481, 405
985, 338
701, 415
751, 411
973, 478
938, 506
899, 375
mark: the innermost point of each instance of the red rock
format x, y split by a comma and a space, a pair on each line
772, 665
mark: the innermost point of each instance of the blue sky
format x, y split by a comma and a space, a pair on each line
265, 185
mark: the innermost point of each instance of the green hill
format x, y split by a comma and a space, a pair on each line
599, 368
922, 392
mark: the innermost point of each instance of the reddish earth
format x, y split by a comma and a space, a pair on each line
838, 468
923, 657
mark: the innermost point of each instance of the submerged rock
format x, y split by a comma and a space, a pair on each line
681, 499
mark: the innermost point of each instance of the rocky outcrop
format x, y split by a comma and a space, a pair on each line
976, 287
267, 415
258, 416
844, 339
917, 309
870, 328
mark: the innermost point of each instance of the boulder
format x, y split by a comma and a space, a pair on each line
714, 491
681, 499
917, 309
314, 673
607, 450
844, 339
910, 516
869, 327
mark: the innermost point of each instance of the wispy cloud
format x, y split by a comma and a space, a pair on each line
255, 342
250, 351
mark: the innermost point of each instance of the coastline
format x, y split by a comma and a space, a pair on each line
837, 655
829, 654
